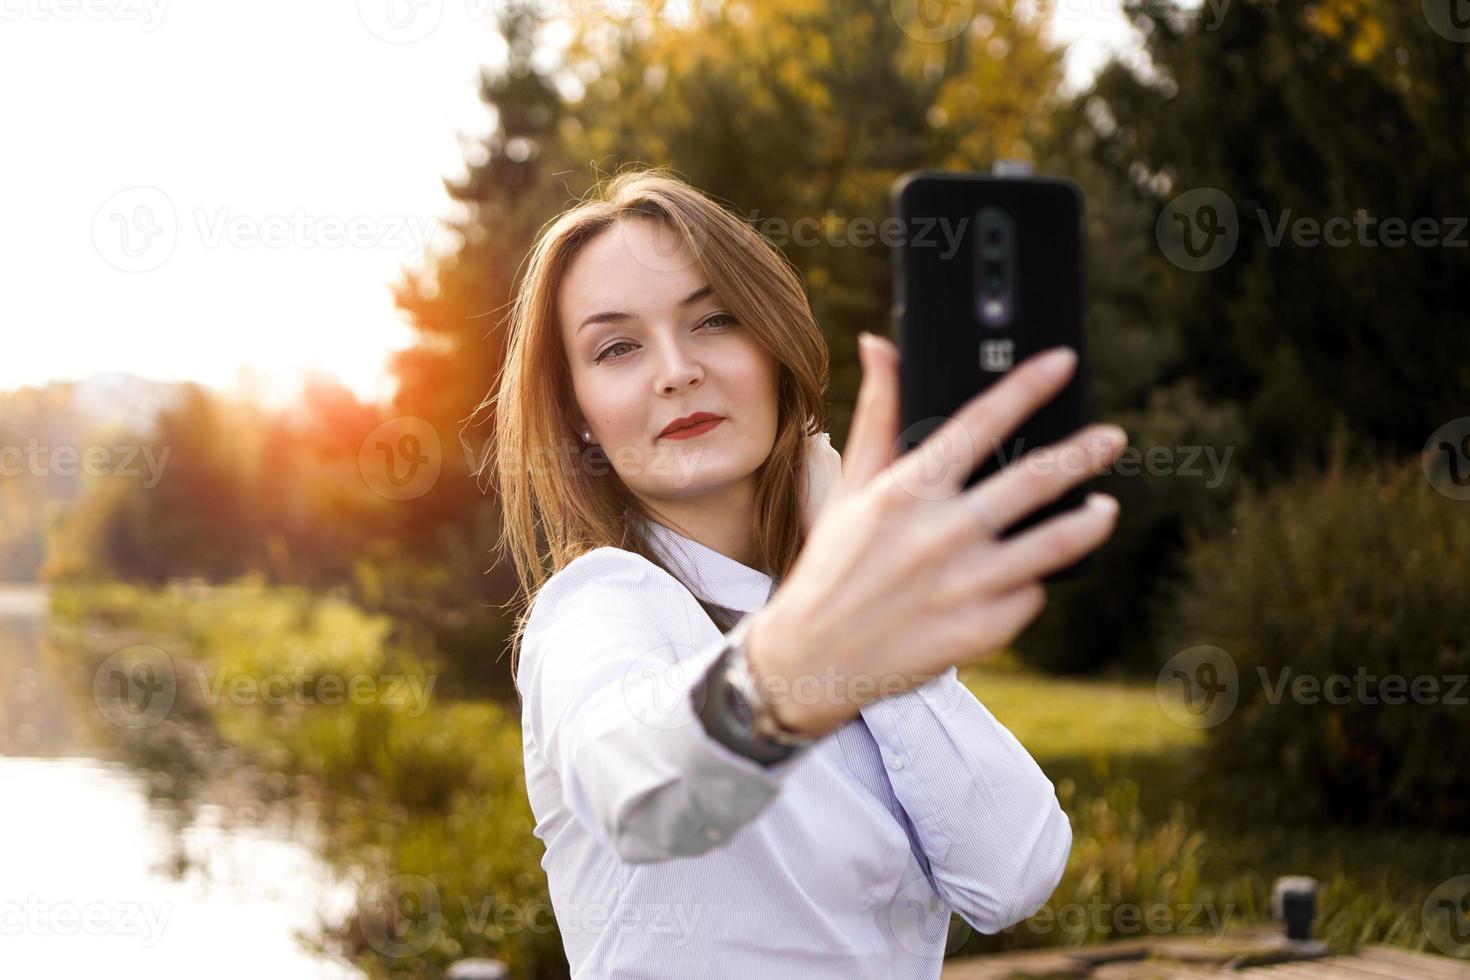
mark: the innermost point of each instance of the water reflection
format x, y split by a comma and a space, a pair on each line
141, 857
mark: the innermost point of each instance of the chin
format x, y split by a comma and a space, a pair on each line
707, 476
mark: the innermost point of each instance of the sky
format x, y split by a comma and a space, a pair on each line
225, 192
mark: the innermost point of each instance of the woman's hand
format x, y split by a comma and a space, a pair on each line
904, 573
823, 467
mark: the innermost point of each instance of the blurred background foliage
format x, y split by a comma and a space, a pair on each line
1320, 371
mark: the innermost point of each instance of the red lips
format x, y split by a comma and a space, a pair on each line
688, 421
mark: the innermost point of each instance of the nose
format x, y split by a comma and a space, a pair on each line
677, 368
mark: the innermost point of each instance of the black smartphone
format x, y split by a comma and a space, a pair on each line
989, 271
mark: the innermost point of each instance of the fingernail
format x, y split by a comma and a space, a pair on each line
1058, 359
1103, 503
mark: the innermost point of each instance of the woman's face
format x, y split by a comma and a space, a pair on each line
648, 343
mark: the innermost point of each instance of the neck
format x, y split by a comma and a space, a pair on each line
722, 521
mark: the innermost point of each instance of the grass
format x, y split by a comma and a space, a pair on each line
1069, 717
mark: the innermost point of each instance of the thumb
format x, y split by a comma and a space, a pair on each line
874, 430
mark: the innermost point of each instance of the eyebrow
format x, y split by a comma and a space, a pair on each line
618, 317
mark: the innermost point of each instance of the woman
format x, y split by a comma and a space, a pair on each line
746, 746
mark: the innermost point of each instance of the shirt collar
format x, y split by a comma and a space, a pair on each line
717, 577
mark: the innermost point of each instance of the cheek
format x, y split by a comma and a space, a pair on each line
765, 376
612, 404
756, 374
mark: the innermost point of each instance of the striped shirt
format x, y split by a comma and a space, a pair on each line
668, 854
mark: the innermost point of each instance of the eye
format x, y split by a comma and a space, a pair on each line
708, 322
609, 349
719, 316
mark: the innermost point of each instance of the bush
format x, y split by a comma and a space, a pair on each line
1325, 588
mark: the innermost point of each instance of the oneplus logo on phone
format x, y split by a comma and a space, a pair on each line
997, 355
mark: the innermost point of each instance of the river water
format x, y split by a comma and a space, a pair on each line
104, 874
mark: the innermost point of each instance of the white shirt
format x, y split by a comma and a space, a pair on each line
669, 855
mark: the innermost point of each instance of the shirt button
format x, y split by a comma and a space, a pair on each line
713, 833
896, 762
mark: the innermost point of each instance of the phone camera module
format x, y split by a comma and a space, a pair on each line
995, 271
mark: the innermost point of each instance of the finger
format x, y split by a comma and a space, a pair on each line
940, 464
1000, 618
869, 448
1044, 474
1053, 544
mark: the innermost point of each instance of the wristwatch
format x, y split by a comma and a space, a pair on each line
734, 712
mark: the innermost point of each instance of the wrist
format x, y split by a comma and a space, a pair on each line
732, 712
773, 681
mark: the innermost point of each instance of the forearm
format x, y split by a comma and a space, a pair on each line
639, 767
995, 835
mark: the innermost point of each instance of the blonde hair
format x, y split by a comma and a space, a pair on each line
576, 510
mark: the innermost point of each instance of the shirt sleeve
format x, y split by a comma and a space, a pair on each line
612, 653
995, 835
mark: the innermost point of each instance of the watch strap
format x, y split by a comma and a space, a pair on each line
729, 712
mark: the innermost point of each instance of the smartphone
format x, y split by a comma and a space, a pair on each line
989, 271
